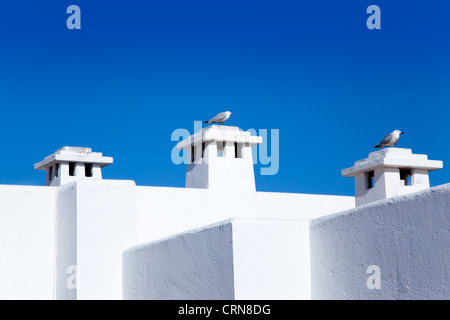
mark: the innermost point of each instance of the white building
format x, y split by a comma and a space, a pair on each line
84, 237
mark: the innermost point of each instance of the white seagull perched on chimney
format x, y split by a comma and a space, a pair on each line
220, 118
390, 140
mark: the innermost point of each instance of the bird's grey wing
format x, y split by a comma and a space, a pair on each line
221, 116
386, 139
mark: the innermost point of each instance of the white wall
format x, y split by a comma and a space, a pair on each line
407, 237
193, 265
96, 221
87, 223
265, 252
163, 212
27, 238
234, 259
66, 242
106, 225
271, 259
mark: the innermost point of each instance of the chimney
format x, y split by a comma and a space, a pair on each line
220, 157
72, 163
390, 172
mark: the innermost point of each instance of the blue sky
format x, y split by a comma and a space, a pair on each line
137, 70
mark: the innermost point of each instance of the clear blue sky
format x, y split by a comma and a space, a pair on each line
137, 70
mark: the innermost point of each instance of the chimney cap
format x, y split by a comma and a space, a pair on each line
392, 158
73, 154
220, 133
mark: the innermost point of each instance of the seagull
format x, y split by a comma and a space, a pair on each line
390, 140
220, 118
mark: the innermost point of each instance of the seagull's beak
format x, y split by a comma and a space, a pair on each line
232, 113
402, 133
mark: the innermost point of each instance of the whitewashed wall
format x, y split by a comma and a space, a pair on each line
96, 221
271, 259
66, 242
163, 212
407, 237
27, 242
234, 259
194, 265
271, 242
327, 257
106, 225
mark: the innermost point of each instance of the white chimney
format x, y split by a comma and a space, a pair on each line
220, 157
72, 163
390, 172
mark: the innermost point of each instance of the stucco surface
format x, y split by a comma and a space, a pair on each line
407, 237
